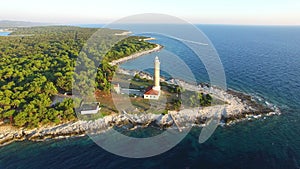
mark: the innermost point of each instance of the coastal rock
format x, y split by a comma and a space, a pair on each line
164, 121
238, 107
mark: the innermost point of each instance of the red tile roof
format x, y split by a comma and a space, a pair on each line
151, 91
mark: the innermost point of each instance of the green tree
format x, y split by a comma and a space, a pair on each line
21, 119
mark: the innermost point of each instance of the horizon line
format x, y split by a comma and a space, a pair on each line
108, 23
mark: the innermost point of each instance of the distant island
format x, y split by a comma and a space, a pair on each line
14, 24
36, 87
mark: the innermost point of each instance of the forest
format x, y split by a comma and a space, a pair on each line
38, 63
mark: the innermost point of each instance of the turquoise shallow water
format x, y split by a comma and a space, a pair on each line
4, 33
262, 61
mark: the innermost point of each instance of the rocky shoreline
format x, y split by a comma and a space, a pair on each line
240, 107
136, 55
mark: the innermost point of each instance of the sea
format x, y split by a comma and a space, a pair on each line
4, 33
262, 61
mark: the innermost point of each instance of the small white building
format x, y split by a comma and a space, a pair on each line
89, 108
117, 88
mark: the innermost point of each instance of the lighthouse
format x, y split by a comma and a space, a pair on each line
153, 92
156, 74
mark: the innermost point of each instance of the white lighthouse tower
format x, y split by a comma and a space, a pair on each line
156, 74
153, 92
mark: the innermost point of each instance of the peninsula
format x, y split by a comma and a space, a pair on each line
36, 76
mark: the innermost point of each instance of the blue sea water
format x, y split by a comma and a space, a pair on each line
260, 60
4, 33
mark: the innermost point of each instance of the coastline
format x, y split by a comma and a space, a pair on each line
136, 55
236, 111
240, 107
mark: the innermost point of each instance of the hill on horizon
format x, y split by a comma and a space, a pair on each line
11, 23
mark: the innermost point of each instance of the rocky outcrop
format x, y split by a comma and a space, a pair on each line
238, 107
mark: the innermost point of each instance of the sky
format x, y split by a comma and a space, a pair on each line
238, 12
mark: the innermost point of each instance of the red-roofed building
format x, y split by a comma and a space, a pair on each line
150, 93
